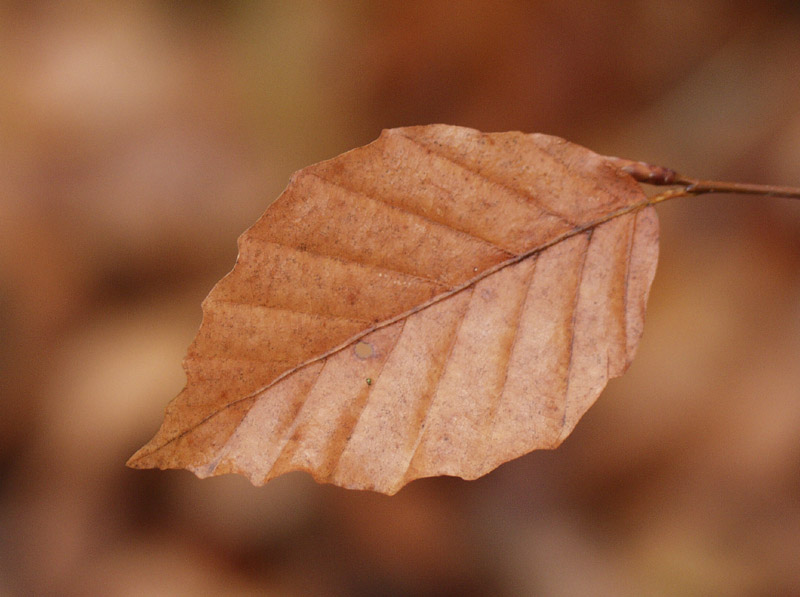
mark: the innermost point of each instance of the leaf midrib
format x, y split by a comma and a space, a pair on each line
631, 208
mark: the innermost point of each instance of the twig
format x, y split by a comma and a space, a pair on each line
661, 176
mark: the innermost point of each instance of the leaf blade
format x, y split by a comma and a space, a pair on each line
422, 280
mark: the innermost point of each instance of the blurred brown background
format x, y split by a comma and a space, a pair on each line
138, 139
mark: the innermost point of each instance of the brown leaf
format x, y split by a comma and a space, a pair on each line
435, 303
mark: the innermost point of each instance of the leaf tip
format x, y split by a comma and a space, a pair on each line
139, 459
135, 461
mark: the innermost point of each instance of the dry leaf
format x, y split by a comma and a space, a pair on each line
435, 303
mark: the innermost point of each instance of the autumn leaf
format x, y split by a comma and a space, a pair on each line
437, 302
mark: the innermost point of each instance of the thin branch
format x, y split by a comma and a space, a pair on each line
697, 187
661, 176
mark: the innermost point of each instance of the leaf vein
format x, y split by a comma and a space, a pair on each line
365, 402
573, 321
439, 377
246, 305
492, 415
518, 192
438, 298
292, 426
341, 259
446, 225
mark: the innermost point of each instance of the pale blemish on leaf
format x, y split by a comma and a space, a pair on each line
364, 350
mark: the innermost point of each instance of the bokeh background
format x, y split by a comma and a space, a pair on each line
138, 139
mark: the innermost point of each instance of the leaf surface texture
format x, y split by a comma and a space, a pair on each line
437, 302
